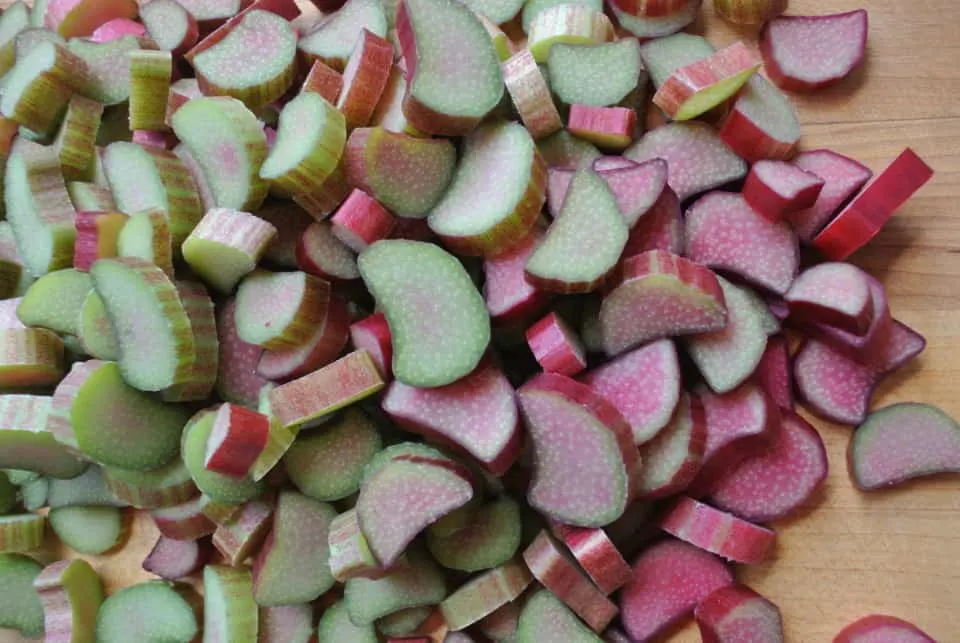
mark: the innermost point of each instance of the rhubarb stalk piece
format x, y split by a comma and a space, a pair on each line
884, 627
220, 488
26, 441
200, 311
600, 75
672, 459
718, 532
609, 128
596, 554
485, 594
842, 176
76, 140
22, 609
361, 221
566, 23
325, 81
78, 18
777, 189
108, 68
372, 334
175, 559
241, 535
238, 437
835, 294
322, 347
40, 85
321, 254
332, 39
544, 615
146, 235
97, 234
731, 613
170, 25
556, 347
229, 612
490, 537
531, 95
364, 79
509, 296
273, 323
30, 357
226, 245
237, 377
163, 487
21, 532
150, 77
645, 28
762, 123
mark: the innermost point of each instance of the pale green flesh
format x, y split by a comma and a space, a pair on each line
545, 618
109, 65
86, 490
229, 613
563, 149
15, 19
35, 239
20, 607
228, 64
96, 331
267, 303
419, 582
18, 80
498, 11
335, 37
491, 539
25, 442
137, 237
151, 612
219, 265
88, 530
599, 75
54, 301
134, 178
335, 625
664, 56
302, 122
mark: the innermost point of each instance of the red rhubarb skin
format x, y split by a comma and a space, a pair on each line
718, 532
843, 178
243, 442
175, 559
774, 373
684, 83
821, 296
774, 204
509, 297
237, 377
325, 81
190, 526
372, 334
557, 573
555, 347
877, 628
607, 127
859, 222
597, 555
361, 221
737, 614
865, 346
365, 79
661, 228
190, 35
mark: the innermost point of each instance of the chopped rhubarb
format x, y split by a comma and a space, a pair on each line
737, 613
879, 627
718, 532
556, 347
365, 78
777, 189
237, 439
835, 294
596, 554
599, 75
842, 176
508, 295
361, 221
567, 23
609, 128
531, 95
762, 123
672, 458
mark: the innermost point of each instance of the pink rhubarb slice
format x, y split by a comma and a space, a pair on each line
372, 334
842, 176
175, 559
835, 294
237, 377
322, 347
238, 437
777, 189
361, 221
660, 228
321, 254
596, 554
718, 532
556, 347
508, 295
610, 128
880, 627
531, 95
737, 613
762, 123
672, 459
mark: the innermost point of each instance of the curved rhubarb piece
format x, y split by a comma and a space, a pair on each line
238, 437
78, 18
600, 75
490, 538
170, 25
107, 69
470, 224
645, 28
40, 85
21, 608
175, 559
150, 77
335, 625
237, 377
21, 532
545, 617
87, 530
321, 254
226, 246
27, 443
762, 124
321, 348
228, 144
774, 374
240, 536
325, 81
718, 532
562, 417
724, 232
883, 628
609, 128
582, 246
869, 347
749, 12
777, 189
146, 235
361, 221
738, 613
699, 161
218, 487
661, 227
881, 456
530, 94
556, 347
804, 53
229, 612
835, 294
842, 176
596, 554
200, 311
350, 555
727, 357
76, 140
484, 594
97, 235
508, 295
439, 353
162, 487
332, 39
54, 301
439, 101
671, 460
564, 150
365, 78
71, 593
288, 624
656, 281
864, 217
263, 320
669, 580
415, 582
185, 521
372, 334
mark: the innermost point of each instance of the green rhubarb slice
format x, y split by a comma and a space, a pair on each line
15, 19
333, 38
293, 565
599, 75
89, 489
21, 477
227, 67
91, 197
229, 613
498, 11
88, 530
21, 532
490, 539
34, 494
496, 194
213, 11
153, 330
25, 441
664, 56
76, 140
565, 150
217, 486
203, 325
445, 99
585, 241
95, 329
146, 235
55, 300
328, 465
415, 582
20, 606
148, 178
310, 140
164, 487
438, 321
226, 246
108, 64
546, 618
39, 208
335, 625
97, 412
71, 593
228, 144
152, 612
279, 310
150, 75
533, 7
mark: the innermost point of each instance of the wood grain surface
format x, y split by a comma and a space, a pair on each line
852, 553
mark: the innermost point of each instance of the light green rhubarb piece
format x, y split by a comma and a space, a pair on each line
76, 140
226, 246
88, 530
37, 12
91, 197
95, 329
55, 300
20, 606
39, 208
335, 626
546, 618
226, 67
533, 7
20, 477
415, 582
157, 349
279, 439
25, 441
89, 489
584, 242
489, 540
108, 66
215, 11
217, 486
8, 493
228, 144
333, 38
151, 72
34, 494
152, 612
21, 532
403, 622
664, 56
71, 594
15, 19
146, 235
229, 613
279, 310
438, 321
567, 23
111, 422
498, 11
328, 465
167, 486
564, 150
310, 140
203, 325
599, 75
148, 178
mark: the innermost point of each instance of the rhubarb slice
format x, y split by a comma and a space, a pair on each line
670, 580
237, 377
163, 487
170, 26
883, 628
77, 18
724, 232
496, 193
477, 414
544, 617
26, 441
40, 85
506, 291
437, 100
901, 442
658, 281
87, 530
777, 189
530, 94
842, 176
72, 594
372, 334
322, 347
228, 144
406, 278
573, 428
405, 622
350, 557
599, 75
97, 235
229, 613
108, 67
361, 221
365, 78
551, 565
672, 459
871, 346
597, 555
219, 487
416, 582
774, 373
738, 613
564, 150
584, 243
484, 594
556, 347
321, 254
175, 559
762, 123
30, 357
280, 310
804, 53
325, 81
146, 235
727, 357
661, 227
21, 608
237, 439
200, 311
333, 38
292, 566
836, 294
226, 245
718, 532
408, 175
566, 23
697, 158
609, 128
863, 218
644, 27
287, 624
241, 535
491, 538
54, 301
77, 137
151, 612
150, 78
335, 625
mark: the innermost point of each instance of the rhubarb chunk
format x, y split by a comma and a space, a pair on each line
842, 176
878, 627
490, 538
544, 617
151, 612
21, 608
599, 75
671, 460
777, 189
531, 95
219, 487
170, 25
836, 294
333, 38
737, 613
556, 347
645, 27
229, 613
226, 245
762, 123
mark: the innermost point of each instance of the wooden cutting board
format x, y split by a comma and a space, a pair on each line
895, 552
